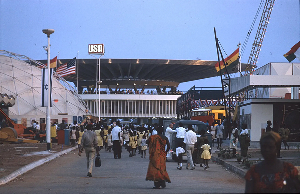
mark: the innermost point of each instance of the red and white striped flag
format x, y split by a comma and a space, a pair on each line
67, 68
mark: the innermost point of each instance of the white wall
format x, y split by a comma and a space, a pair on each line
259, 116
260, 113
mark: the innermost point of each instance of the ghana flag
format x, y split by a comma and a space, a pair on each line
230, 61
293, 53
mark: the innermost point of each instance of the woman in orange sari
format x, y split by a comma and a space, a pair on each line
157, 155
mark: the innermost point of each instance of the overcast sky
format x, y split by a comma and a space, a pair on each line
149, 29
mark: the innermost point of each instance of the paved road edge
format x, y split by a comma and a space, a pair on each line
33, 165
230, 167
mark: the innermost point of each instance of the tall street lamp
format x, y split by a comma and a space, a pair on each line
97, 49
48, 139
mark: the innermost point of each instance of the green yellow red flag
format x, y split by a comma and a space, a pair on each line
230, 61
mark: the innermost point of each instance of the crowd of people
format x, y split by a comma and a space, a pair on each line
136, 139
132, 91
143, 139
140, 139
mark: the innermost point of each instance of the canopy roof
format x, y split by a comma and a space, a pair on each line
151, 72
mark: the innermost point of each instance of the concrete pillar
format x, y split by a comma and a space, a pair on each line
295, 93
142, 108
111, 108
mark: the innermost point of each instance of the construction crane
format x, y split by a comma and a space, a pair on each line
260, 34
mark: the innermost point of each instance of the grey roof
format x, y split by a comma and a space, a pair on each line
141, 71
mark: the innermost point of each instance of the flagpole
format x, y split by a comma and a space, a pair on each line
48, 139
77, 70
240, 62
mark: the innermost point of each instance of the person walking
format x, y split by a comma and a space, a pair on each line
126, 137
234, 138
180, 134
286, 137
116, 140
80, 134
73, 136
190, 139
140, 135
143, 146
168, 134
169, 131
157, 171
199, 149
89, 144
206, 154
109, 141
105, 132
219, 134
213, 132
132, 143
99, 135
244, 140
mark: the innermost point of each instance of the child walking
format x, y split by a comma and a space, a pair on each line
143, 146
132, 143
109, 141
206, 156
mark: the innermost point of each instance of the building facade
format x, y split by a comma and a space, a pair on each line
132, 105
270, 93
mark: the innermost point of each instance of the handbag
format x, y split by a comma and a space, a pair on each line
98, 161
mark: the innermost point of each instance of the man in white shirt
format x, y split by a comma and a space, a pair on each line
169, 131
37, 127
116, 140
190, 139
180, 134
180, 131
168, 134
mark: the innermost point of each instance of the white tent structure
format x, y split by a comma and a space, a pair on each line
21, 77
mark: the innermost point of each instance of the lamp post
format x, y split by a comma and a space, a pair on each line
48, 139
99, 82
97, 49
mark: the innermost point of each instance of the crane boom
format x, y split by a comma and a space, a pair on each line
260, 34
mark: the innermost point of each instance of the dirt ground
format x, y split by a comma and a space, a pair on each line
15, 156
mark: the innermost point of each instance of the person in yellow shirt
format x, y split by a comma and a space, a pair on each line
132, 143
99, 139
206, 154
105, 132
80, 133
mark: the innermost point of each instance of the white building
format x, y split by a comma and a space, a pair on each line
271, 93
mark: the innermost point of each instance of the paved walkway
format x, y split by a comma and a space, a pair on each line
67, 174
229, 164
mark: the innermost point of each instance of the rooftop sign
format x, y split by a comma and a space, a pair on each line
96, 49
